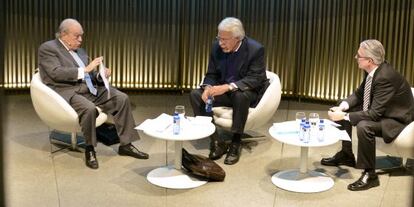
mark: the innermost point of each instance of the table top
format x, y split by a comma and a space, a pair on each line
288, 132
190, 130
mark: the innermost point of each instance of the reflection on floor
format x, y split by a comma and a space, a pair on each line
34, 177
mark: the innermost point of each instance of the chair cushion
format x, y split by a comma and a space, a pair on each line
225, 112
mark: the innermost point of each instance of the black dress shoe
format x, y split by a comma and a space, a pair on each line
366, 181
340, 158
90, 159
217, 149
131, 150
233, 155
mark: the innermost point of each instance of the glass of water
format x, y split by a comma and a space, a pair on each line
299, 117
180, 110
313, 120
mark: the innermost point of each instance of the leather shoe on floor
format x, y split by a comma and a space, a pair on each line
131, 150
217, 149
233, 155
90, 159
366, 181
340, 158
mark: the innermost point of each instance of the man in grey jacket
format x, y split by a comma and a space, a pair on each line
65, 67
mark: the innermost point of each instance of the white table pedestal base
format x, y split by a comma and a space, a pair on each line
309, 182
169, 177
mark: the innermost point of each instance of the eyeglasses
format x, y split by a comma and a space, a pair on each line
223, 39
357, 56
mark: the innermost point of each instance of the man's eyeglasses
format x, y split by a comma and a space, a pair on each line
357, 56
223, 39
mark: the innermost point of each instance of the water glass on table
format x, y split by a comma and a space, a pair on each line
299, 117
313, 119
180, 110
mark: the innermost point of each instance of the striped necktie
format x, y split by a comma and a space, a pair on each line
87, 77
367, 93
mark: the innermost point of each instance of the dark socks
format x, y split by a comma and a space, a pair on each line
236, 138
89, 148
370, 171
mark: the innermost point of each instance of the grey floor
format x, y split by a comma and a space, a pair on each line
34, 177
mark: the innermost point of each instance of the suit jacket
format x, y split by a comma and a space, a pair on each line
391, 100
250, 66
59, 70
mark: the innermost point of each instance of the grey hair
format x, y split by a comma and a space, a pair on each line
233, 25
374, 50
64, 26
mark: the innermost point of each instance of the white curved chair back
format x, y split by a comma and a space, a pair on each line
54, 111
403, 145
259, 115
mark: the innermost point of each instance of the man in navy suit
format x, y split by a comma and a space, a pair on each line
65, 67
381, 106
236, 77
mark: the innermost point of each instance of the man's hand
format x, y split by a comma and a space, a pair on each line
93, 64
336, 115
219, 90
336, 109
206, 93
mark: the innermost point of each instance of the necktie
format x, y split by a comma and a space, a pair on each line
87, 77
367, 93
88, 81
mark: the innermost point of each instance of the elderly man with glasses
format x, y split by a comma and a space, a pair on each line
236, 77
381, 106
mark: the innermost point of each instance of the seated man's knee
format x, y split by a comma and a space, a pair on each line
240, 96
90, 108
195, 93
363, 127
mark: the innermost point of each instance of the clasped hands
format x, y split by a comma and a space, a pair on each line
95, 63
336, 113
214, 91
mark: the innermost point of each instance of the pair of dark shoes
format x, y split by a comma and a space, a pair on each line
366, 181
124, 150
340, 158
219, 148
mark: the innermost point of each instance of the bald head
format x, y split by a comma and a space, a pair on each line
70, 32
65, 25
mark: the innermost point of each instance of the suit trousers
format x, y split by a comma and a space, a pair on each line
239, 100
118, 105
366, 132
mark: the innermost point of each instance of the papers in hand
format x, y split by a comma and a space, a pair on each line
103, 76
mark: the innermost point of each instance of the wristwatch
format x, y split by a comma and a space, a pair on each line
231, 88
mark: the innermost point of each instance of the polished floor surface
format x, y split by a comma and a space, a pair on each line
35, 177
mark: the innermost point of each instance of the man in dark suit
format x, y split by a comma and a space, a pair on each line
381, 106
236, 77
65, 67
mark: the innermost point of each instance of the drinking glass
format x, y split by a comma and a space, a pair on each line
180, 110
299, 117
313, 120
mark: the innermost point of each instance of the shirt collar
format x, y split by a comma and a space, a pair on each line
373, 72
238, 47
64, 44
